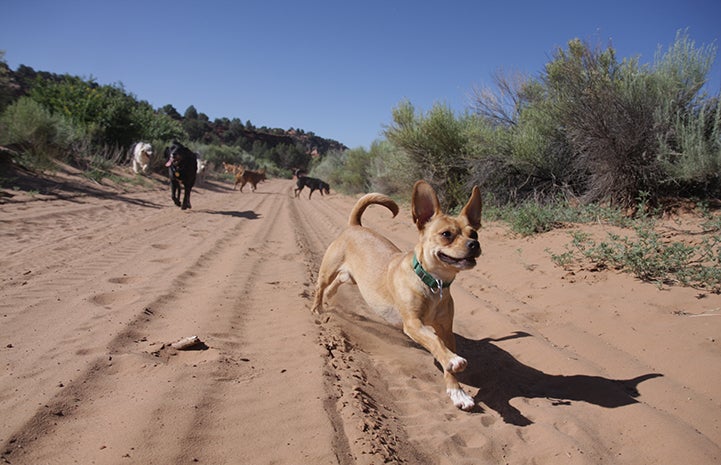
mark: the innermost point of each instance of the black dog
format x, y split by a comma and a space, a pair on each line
313, 184
183, 168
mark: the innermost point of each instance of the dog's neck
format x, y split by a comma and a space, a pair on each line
436, 285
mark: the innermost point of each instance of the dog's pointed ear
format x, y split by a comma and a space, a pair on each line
472, 210
424, 203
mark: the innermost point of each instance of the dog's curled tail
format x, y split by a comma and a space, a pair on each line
367, 200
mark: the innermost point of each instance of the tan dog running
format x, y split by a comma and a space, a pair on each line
410, 288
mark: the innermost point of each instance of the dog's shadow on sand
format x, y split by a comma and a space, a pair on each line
499, 378
248, 214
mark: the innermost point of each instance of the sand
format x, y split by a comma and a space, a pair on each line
575, 366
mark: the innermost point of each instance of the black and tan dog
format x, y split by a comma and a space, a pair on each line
313, 184
410, 289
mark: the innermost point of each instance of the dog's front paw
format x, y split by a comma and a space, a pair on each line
460, 399
456, 364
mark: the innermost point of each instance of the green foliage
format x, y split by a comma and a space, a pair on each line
286, 156
102, 111
154, 125
195, 124
691, 151
6, 83
39, 135
96, 167
682, 70
601, 130
330, 169
389, 171
346, 171
216, 155
649, 257
533, 217
590, 128
108, 114
26, 122
607, 111
437, 144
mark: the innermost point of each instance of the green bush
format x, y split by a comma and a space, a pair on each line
38, 135
26, 122
108, 114
532, 218
692, 157
437, 144
346, 171
389, 170
599, 129
649, 257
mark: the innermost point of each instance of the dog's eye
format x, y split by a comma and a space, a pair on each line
473, 235
447, 234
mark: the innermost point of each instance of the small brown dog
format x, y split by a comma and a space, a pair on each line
247, 176
410, 288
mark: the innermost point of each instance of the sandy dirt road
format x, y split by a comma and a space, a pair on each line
579, 368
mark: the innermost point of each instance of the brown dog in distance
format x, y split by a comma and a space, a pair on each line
247, 176
410, 289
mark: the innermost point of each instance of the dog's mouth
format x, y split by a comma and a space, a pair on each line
464, 262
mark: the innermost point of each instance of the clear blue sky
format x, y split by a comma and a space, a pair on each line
336, 68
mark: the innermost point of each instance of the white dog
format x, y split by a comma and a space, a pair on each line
142, 151
202, 164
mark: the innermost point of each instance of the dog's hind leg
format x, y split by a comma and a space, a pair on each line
332, 273
327, 287
340, 278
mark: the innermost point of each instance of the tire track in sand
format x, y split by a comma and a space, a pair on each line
99, 291
359, 406
185, 400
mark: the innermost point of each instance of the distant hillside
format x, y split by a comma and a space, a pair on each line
197, 125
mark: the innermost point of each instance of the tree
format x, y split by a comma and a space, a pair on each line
106, 112
195, 124
170, 111
7, 86
156, 125
190, 113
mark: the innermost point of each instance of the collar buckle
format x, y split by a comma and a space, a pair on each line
436, 285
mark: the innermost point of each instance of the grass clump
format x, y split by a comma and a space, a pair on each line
533, 217
650, 257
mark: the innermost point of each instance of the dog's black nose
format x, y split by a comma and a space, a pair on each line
473, 245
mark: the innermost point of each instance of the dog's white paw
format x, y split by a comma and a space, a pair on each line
460, 399
457, 364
